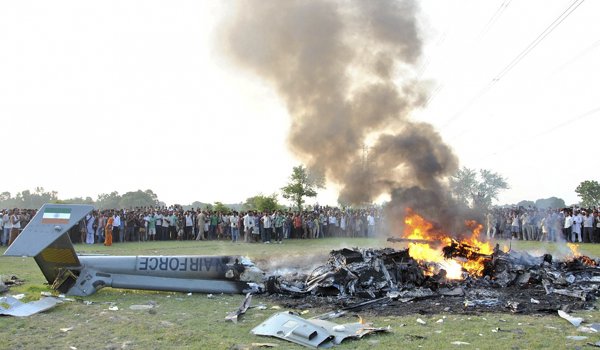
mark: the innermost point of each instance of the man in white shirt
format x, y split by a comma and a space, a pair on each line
15, 220
189, 226
371, 224
576, 229
235, 229
117, 227
588, 227
267, 227
248, 225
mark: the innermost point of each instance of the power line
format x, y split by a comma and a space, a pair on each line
499, 11
547, 131
566, 13
549, 29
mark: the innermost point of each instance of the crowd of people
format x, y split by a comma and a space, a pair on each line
163, 224
577, 225
175, 223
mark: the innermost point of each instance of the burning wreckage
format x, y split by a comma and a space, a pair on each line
468, 274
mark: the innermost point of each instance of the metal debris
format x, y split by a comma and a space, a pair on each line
312, 332
19, 309
575, 321
576, 337
233, 316
460, 343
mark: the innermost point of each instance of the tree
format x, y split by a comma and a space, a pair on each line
26, 199
220, 207
552, 202
589, 192
75, 200
138, 199
108, 201
262, 203
525, 204
302, 184
477, 192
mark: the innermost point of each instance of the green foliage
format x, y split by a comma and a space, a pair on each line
75, 200
552, 202
525, 204
220, 207
108, 201
302, 184
26, 199
478, 192
589, 192
138, 198
262, 203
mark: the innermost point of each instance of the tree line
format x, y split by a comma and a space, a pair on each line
476, 189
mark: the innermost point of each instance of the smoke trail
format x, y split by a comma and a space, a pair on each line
346, 73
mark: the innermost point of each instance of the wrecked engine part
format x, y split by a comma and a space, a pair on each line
511, 282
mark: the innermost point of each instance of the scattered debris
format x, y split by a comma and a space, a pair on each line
264, 345
252, 346
596, 344
234, 316
460, 343
575, 321
65, 330
11, 280
20, 309
584, 329
141, 307
420, 321
576, 337
312, 332
113, 308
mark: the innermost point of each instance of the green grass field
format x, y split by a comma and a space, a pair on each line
198, 322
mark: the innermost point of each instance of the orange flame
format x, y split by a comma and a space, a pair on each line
574, 249
418, 228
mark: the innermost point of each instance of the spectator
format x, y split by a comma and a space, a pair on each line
588, 227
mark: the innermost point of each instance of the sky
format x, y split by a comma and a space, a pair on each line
109, 96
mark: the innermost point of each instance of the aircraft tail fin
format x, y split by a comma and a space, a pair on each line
46, 238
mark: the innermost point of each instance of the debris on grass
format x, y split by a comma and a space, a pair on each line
460, 343
576, 337
11, 306
141, 307
234, 315
312, 332
575, 321
65, 330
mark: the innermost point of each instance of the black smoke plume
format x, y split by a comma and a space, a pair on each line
346, 71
